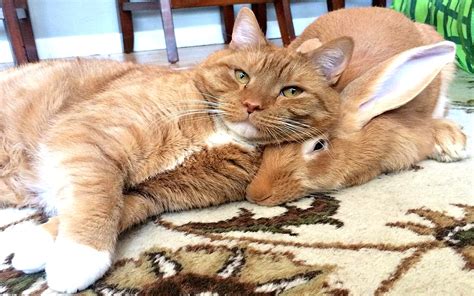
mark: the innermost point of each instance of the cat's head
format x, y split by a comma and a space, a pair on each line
267, 94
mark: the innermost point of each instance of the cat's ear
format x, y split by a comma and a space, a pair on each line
393, 83
331, 58
246, 32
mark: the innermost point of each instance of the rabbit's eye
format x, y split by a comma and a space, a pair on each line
320, 145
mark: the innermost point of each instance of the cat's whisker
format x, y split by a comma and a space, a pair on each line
282, 132
209, 95
195, 118
195, 104
299, 124
227, 108
287, 121
189, 113
295, 137
202, 94
283, 135
178, 115
300, 127
294, 123
300, 132
272, 134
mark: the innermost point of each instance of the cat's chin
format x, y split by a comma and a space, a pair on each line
244, 129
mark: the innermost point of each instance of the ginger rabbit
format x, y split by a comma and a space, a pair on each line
393, 103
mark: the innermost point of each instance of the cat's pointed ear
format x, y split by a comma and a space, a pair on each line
246, 32
331, 58
393, 83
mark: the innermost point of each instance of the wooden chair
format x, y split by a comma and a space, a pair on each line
16, 19
125, 9
338, 4
381, 3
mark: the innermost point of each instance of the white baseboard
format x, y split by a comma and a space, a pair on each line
86, 45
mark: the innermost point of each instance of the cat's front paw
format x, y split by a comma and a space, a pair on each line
73, 267
31, 247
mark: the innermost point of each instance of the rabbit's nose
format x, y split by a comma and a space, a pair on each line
258, 190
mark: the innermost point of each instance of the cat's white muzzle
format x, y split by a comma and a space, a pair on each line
244, 129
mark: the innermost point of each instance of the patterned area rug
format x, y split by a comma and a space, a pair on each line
410, 233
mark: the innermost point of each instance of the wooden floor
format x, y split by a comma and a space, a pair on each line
188, 56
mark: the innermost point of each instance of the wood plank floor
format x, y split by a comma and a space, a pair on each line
188, 56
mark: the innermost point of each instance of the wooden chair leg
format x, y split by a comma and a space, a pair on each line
381, 3
28, 37
336, 4
12, 28
285, 22
260, 11
126, 26
168, 27
227, 16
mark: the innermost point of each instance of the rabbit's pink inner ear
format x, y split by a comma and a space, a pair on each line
398, 80
246, 32
410, 77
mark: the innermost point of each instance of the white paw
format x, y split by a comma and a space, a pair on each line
72, 267
8, 236
6, 245
32, 245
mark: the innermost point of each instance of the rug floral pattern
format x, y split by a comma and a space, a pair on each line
410, 233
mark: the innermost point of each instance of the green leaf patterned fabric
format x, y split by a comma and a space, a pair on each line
451, 18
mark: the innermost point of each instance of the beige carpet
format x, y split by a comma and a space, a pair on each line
410, 233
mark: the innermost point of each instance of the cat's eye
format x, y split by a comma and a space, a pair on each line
320, 145
291, 91
242, 77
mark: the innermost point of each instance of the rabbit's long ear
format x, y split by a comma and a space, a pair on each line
393, 83
246, 32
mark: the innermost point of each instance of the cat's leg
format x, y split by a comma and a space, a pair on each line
84, 186
33, 243
84, 246
32, 249
450, 141
11, 160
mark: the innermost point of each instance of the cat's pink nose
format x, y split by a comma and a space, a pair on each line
252, 107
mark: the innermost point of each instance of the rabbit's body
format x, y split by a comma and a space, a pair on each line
392, 71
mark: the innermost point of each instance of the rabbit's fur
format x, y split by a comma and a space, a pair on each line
391, 114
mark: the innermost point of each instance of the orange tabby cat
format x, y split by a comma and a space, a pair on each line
102, 145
